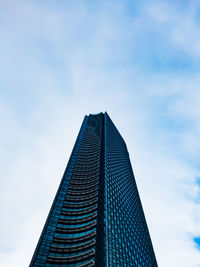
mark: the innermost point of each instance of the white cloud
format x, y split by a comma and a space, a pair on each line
177, 23
62, 62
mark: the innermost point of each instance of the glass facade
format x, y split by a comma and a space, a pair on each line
96, 218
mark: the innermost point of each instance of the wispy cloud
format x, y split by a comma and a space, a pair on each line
138, 61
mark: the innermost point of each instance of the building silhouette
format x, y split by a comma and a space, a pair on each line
96, 218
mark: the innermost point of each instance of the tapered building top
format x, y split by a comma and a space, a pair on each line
96, 218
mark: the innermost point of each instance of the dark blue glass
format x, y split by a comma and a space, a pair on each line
96, 218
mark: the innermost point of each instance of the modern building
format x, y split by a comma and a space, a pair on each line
96, 218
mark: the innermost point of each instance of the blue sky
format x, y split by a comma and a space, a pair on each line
139, 61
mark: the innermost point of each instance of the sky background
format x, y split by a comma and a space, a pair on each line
139, 61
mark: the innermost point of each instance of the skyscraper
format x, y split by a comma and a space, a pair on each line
96, 218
